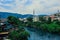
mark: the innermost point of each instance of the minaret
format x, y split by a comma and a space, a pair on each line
33, 13
35, 17
58, 11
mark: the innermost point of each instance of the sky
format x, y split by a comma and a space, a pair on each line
27, 6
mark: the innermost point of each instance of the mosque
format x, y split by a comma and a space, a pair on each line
35, 17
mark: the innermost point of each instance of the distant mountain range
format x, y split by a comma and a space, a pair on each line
6, 14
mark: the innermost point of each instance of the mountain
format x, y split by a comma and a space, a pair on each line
6, 14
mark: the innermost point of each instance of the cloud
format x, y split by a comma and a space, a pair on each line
6, 1
27, 6
7, 4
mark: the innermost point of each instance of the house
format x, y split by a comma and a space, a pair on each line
2, 21
36, 18
53, 17
23, 19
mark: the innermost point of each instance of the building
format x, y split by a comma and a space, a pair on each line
53, 17
23, 19
2, 21
35, 17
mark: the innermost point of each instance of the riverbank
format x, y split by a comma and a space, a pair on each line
43, 31
51, 27
39, 35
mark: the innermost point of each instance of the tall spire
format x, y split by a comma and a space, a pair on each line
58, 11
33, 12
35, 17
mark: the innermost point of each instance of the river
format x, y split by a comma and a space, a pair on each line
39, 35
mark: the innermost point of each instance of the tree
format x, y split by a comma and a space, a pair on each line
30, 19
49, 20
42, 19
18, 32
13, 20
19, 35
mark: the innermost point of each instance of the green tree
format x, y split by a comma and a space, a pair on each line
30, 19
49, 20
13, 20
19, 35
42, 19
